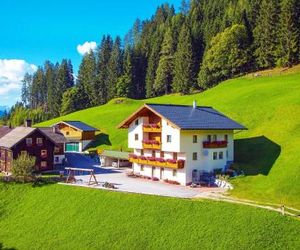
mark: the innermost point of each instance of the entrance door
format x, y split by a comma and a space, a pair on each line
161, 176
72, 147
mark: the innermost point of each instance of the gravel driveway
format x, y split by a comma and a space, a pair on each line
133, 185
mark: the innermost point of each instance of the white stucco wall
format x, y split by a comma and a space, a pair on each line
168, 129
205, 161
136, 129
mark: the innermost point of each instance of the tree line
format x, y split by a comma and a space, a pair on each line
205, 42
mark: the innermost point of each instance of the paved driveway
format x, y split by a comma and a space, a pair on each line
134, 185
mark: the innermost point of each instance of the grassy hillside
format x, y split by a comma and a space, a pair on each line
269, 152
62, 217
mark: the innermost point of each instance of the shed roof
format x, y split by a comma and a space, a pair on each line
80, 126
115, 154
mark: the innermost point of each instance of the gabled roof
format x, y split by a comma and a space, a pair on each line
55, 137
4, 130
188, 118
15, 136
79, 125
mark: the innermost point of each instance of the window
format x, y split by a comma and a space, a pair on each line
67, 133
28, 141
215, 156
169, 138
162, 154
136, 137
209, 138
174, 172
142, 167
175, 156
43, 164
195, 156
56, 150
214, 137
23, 152
56, 159
226, 138
142, 152
195, 138
220, 155
226, 153
39, 141
43, 153
153, 153
137, 122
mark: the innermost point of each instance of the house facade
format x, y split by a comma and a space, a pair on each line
27, 140
176, 142
78, 135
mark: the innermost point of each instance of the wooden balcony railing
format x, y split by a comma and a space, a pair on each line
157, 162
215, 144
152, 128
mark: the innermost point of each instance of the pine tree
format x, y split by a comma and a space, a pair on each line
124, 82
266, 34
183, 68
114, 68
26, 86
69, 103
288, 52
103, 56
164, 73
86, 82
152, 65
50, 76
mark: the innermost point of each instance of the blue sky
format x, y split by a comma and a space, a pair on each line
33, 31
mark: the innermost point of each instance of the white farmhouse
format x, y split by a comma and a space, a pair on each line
177, 142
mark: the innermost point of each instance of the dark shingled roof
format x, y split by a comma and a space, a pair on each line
80, 125
189, 118
55, 137
4, 130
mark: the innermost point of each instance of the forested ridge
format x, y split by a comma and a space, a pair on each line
205, 42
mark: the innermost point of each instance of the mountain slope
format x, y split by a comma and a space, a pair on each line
269, 152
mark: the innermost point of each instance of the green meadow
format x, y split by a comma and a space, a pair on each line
268, 152
64, 217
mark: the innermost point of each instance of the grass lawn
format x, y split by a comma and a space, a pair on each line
269, 152
63, 217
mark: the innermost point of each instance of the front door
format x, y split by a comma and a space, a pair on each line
161, 176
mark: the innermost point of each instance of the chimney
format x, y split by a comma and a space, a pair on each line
28, 123
194, 104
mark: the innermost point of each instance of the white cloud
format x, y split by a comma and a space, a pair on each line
12, 72
86, 47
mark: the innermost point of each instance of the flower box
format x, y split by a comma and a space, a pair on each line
215, 144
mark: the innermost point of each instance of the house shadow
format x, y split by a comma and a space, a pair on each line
255, 155
101, 139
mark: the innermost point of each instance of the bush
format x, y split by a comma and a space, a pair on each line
23, 167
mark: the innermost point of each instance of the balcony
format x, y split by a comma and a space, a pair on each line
151, 144
215, 144
157, 162
152, 128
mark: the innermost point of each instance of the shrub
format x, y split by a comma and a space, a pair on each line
23, 167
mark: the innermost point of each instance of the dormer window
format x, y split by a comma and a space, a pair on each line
169, 138
226, 138
136, 137
136, 122
214, 137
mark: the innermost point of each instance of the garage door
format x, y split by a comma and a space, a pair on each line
72, 147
